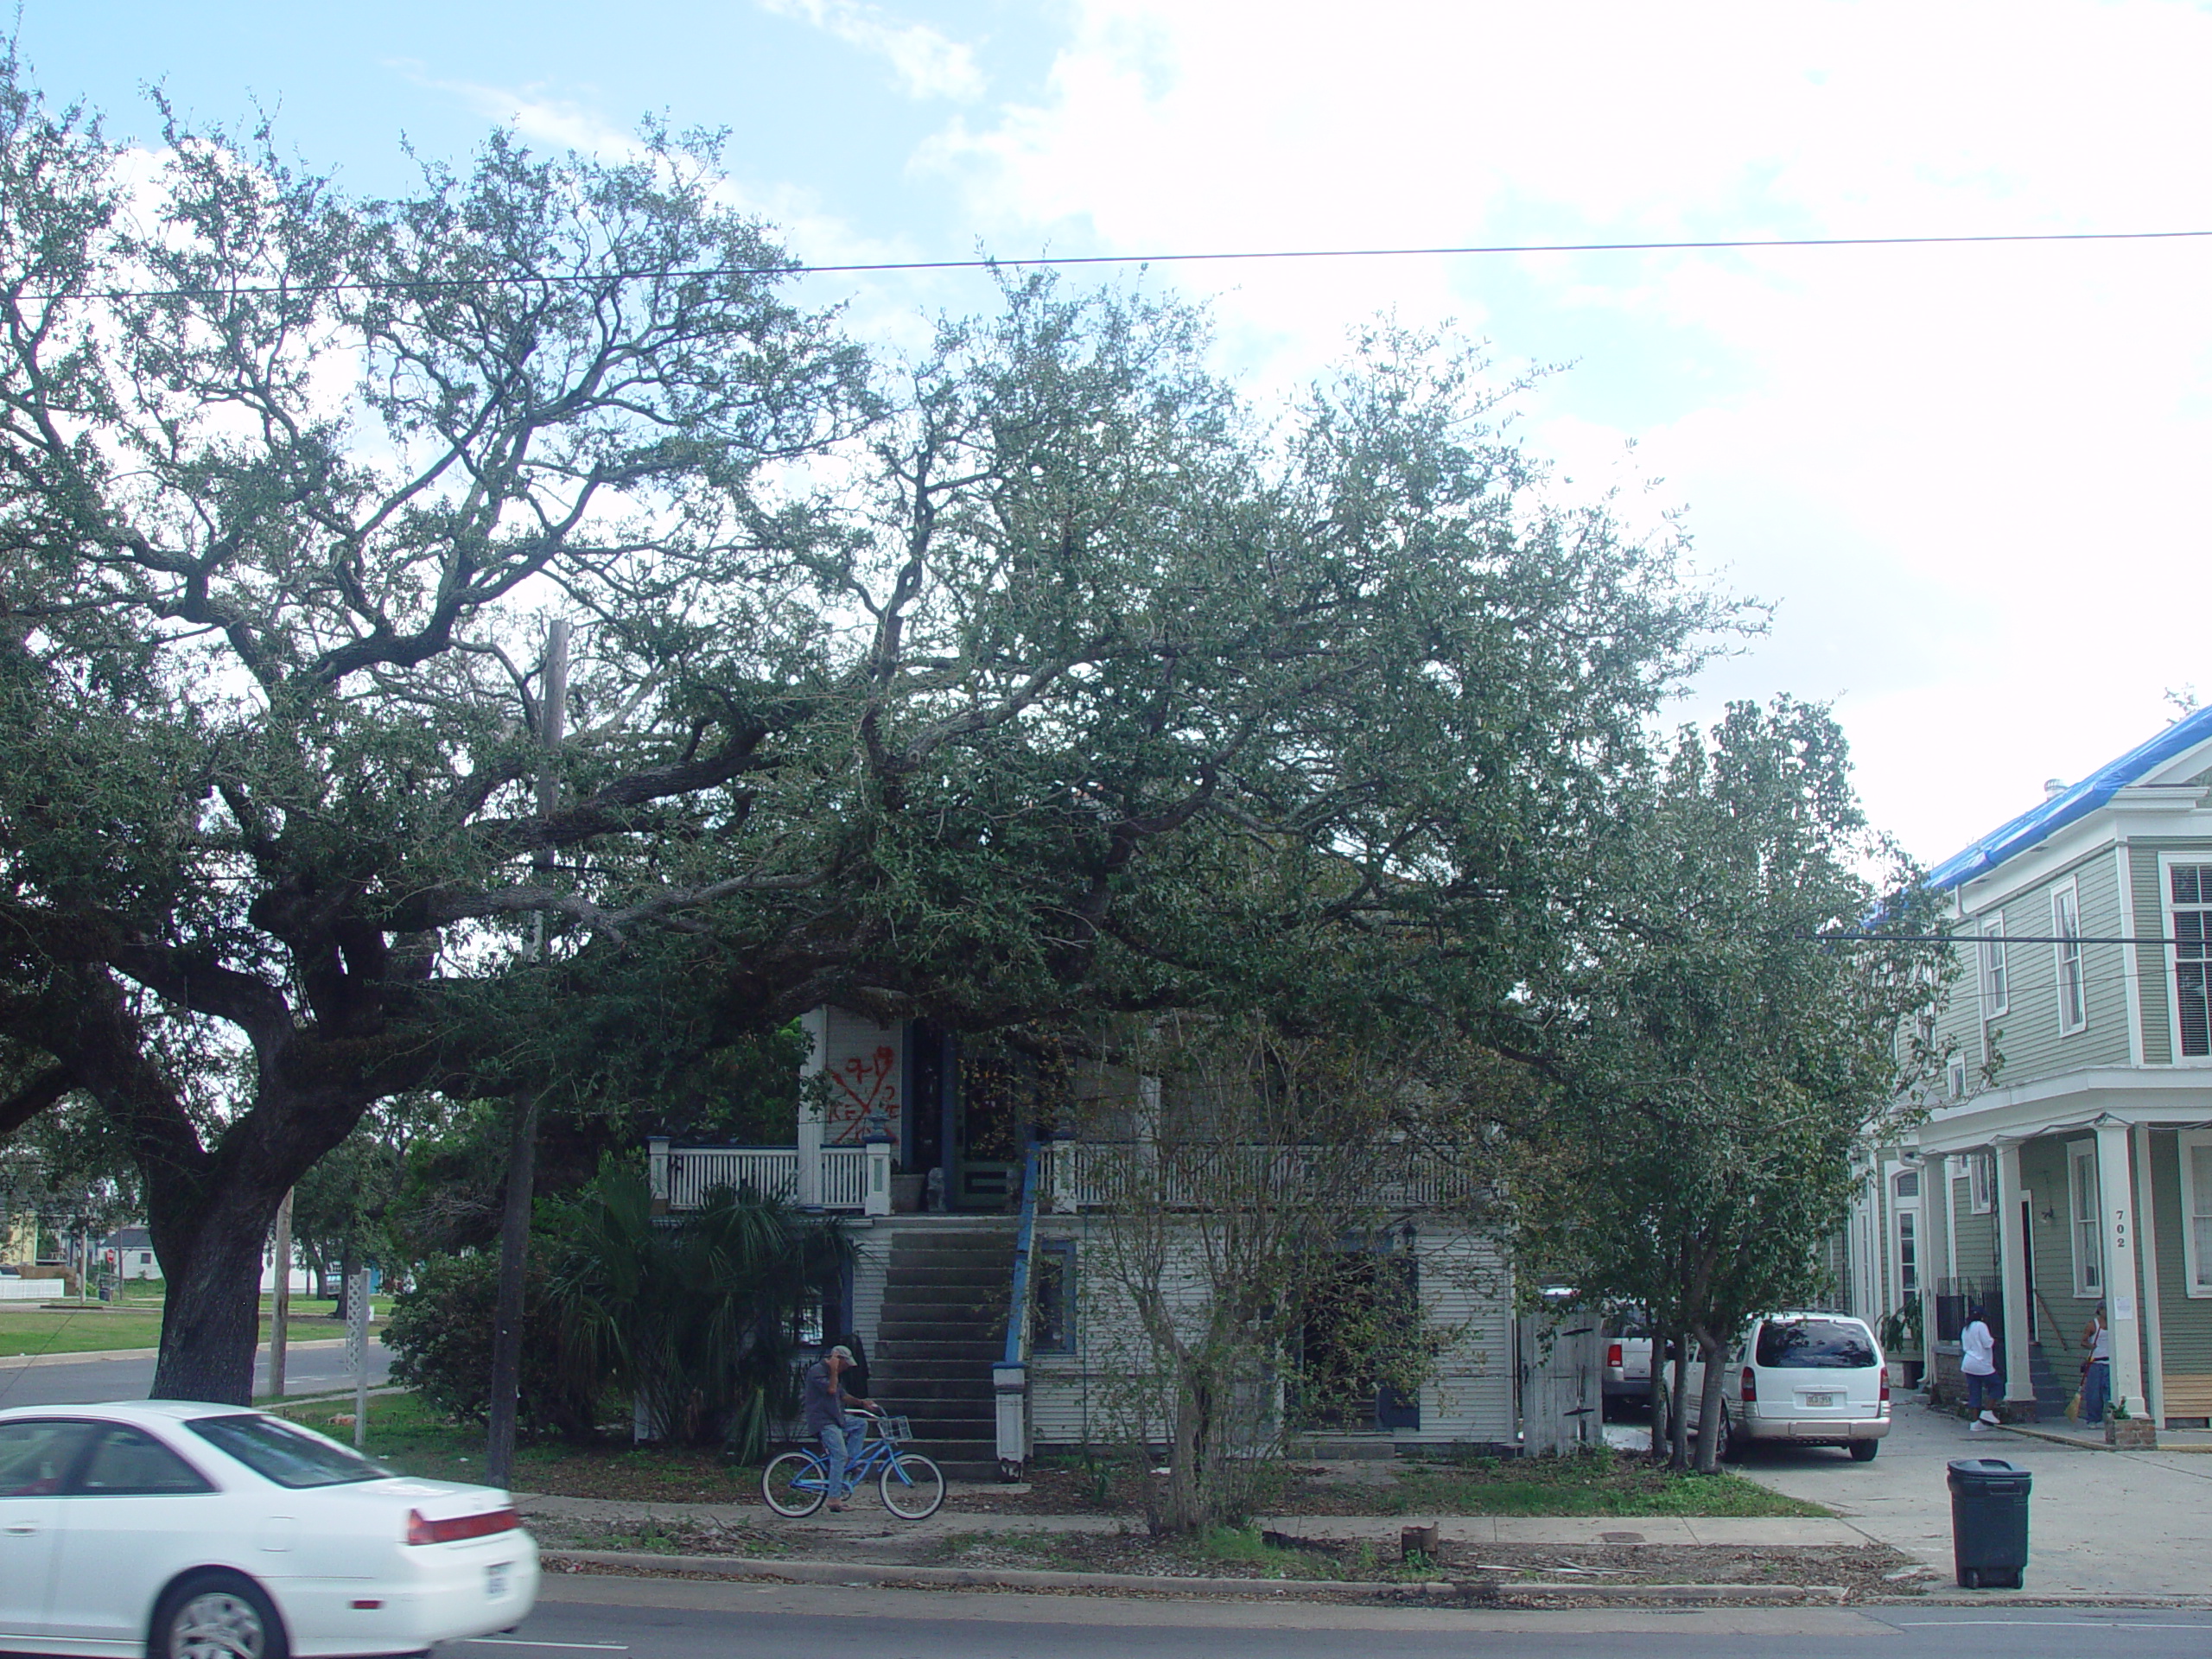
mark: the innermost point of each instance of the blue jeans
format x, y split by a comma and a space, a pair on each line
2096, 1390
1982, 1390
839, 1441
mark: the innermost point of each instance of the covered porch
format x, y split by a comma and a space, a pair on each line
2046, 1201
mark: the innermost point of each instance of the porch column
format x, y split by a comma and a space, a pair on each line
1934, 1252
2116, 1188
807, 1182
2154, 1336
657, 1170
2013, 1263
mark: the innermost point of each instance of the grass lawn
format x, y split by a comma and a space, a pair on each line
1599, 1482
42, 1328
408, 1436
1602, 1483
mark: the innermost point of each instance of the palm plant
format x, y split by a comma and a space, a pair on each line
697, 1317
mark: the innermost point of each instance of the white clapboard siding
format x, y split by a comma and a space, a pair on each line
871, 1264
1465, 1292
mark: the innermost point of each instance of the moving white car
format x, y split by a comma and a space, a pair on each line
183, 1530
1816, 1379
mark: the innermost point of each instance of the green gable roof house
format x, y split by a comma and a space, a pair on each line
2069, 1164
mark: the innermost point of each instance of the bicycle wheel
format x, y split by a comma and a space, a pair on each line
795, 1484
912, 1485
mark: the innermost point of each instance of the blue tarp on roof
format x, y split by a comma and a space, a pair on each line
2046, 819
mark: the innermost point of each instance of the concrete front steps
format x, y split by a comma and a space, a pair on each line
944, 1303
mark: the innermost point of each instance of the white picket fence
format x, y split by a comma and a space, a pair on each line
32, 1290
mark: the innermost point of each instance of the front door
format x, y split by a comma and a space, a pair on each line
990, 1124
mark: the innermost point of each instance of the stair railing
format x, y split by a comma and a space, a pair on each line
1010, 1375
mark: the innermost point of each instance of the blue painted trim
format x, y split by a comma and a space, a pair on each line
2040, 822
1018, 1305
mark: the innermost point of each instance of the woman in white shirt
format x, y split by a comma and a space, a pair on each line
1978, 1360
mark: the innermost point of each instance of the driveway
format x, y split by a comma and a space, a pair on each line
2123, 1523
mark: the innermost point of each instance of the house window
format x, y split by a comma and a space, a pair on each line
1981, 1182
2196, 1204
1908, 1184
1958, 1077
1995, 993
2066, 928
1907, 1253
2189, 886
2088, 1228
1052, 1298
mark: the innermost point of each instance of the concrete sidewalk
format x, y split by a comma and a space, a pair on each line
2100, 1523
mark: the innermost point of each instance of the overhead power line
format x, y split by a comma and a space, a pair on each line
887, 267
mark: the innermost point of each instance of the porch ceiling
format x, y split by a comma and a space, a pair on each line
2179, 1099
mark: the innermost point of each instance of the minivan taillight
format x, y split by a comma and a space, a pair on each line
1613, 1355
1751, 1387
1886, 1387
452, 1530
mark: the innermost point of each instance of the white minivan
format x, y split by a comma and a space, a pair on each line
1816, 1379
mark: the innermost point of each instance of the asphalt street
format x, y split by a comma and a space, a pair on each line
64, 1383
611, 1618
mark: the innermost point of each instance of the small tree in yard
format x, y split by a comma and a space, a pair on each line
1249, 1272
1714, 1062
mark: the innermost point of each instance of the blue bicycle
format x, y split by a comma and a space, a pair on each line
797, 1483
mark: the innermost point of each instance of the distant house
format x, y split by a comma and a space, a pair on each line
2071, 1163
128, 1253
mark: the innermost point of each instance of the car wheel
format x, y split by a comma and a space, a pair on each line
216, 1616
1732, 1444
1864, 1451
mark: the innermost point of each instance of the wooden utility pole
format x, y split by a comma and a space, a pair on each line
280, 1311
522, 1139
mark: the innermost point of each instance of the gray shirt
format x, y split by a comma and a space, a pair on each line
823, 1398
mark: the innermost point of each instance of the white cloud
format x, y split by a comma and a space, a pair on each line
1970, 475
927, 64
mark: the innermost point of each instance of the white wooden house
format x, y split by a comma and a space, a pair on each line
978, 1314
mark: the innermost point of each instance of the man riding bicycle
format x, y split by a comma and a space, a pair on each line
824, 1397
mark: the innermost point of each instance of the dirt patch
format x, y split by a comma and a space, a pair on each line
1862, 1570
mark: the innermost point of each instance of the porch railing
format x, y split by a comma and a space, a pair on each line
684, 1175
1090, 1174
1010, 1375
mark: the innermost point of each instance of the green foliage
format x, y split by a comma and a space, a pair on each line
697, 1319
440, 1336
1715, 1065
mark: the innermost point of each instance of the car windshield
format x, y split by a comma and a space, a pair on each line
290, 1456
1815, 1344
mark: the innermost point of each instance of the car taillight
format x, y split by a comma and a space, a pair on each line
1613, 1355
453, 1528
1886, 1389
1751, 1387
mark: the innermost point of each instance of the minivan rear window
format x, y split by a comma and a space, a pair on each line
1815, 1344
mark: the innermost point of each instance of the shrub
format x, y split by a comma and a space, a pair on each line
441, 1340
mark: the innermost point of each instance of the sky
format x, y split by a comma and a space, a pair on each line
1971, 480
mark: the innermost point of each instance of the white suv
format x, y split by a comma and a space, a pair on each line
1816, 1379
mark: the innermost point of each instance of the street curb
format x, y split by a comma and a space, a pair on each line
2057, 1438
1477, 1590
23, 1362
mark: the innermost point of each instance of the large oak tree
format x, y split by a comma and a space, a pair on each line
1032, 676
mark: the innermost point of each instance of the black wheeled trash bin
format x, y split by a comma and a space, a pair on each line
1989, 1522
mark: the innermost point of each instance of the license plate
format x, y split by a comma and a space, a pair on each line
496, 1579
1820, 1400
